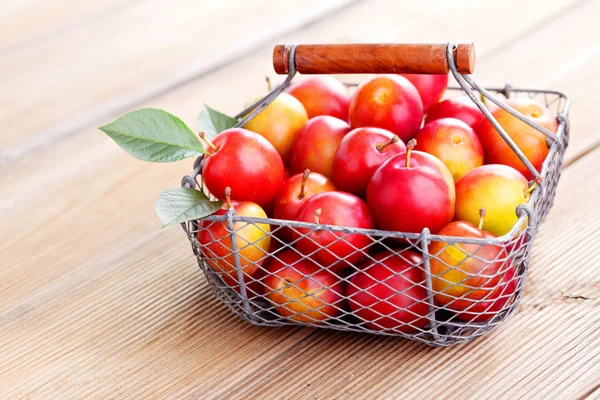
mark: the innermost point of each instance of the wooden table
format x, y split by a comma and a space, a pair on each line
97, 302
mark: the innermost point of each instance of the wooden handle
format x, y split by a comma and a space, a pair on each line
374, 58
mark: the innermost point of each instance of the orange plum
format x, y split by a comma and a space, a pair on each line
280, 122
531, 142
465, 272
252, 240
497, 188
301, 291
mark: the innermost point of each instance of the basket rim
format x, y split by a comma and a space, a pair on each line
499, 240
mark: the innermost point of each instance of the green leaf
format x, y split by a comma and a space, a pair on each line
175, 206
212, 122
154, 135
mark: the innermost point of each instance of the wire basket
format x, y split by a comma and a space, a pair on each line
390, 283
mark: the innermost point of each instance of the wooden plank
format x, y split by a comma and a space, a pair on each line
191, 314
154, 46
126, 90
23, 22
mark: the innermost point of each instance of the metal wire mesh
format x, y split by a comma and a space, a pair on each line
435, 289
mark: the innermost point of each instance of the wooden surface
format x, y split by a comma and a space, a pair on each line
97, 302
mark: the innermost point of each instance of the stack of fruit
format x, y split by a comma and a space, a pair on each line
393, 155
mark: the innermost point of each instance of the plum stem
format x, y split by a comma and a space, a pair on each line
304, 178
409, 148
317, 215
484, 100
228, 197
210, 144
383, 146
531, 188
269, 87
481, 218
287, 283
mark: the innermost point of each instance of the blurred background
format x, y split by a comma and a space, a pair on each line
69, 66
84, 259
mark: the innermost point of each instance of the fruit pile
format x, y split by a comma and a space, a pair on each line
392, 155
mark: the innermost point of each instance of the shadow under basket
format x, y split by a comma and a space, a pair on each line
425, 308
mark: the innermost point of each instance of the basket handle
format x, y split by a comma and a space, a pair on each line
373, 58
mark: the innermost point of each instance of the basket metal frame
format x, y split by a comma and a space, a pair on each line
530, 215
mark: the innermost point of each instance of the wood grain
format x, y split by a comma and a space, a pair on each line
92, 100
24, 22
97, 302
363, 58
81, 75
